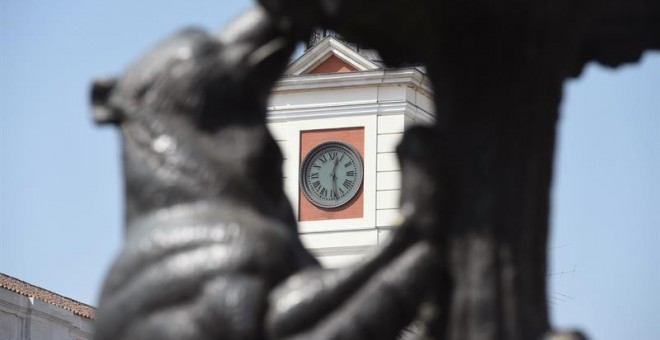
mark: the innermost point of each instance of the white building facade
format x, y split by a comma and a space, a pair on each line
28, 312
334, 92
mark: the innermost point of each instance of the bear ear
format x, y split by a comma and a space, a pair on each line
102, 112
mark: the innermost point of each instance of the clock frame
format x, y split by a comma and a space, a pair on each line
331, 174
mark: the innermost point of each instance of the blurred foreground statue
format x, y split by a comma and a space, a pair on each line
212, 250
498, 68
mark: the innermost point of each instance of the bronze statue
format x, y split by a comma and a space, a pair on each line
212, 250
498, 70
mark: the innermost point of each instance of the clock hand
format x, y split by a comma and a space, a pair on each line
334, 167
334, 186
334, 178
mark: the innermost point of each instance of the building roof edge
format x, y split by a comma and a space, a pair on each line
26, 289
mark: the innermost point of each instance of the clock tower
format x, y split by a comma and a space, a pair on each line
338, 115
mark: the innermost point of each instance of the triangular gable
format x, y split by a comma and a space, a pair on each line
328, 55
332, 64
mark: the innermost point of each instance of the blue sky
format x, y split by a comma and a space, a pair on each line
60, 190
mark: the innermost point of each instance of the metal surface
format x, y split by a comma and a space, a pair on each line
331, 174
212, 250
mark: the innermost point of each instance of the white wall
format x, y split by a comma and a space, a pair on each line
23, 318
385, 103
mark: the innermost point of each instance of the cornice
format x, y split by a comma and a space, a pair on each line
32, 312
334, 251
14, 307
418, 114
284, 113
410, 77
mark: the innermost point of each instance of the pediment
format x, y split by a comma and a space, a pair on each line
330, 56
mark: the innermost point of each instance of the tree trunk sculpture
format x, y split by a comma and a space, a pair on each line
212, 250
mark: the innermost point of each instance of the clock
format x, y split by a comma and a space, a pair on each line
331, 174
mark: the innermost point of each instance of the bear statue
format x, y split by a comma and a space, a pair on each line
211, 245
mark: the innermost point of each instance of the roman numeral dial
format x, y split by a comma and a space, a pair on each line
331, 174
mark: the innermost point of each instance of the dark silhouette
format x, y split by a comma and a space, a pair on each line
211, 247
212, 250
497, 69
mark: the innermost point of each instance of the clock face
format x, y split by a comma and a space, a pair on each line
331, 174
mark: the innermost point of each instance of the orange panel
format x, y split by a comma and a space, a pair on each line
355, 207
333, 65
